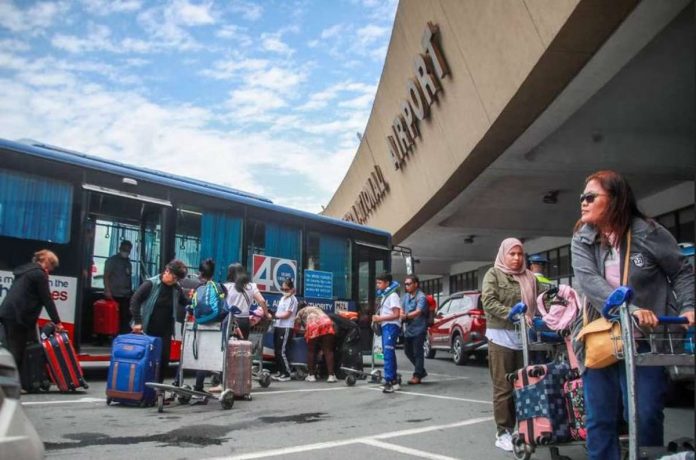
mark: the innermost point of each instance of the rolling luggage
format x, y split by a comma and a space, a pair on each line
238, 368
33, 374
135, 359
63, 367
540, 403
106, 317
574, 397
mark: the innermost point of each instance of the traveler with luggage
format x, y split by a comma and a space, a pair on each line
242, 293
504, 285
154, 305
283, 327
22, 305
389, 319
415, 316
118, 284
318, 332
614, 243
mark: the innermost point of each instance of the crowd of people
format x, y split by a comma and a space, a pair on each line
613, 243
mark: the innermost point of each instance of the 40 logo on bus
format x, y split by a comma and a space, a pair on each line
269, 272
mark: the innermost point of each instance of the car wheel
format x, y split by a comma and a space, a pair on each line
428, 351
459, 356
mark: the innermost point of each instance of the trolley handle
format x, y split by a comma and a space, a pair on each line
515, 311
672, 320
620, 296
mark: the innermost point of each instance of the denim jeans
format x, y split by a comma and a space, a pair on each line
605, 390
390, 332
413, 347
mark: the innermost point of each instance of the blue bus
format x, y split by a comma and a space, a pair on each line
81, 207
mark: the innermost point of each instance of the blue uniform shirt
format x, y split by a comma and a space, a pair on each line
419, 325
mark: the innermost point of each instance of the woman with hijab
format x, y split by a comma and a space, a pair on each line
504, 285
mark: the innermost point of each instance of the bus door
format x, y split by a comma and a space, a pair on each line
110, 221
370, 261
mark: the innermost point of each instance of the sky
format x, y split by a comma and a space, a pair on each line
265, 96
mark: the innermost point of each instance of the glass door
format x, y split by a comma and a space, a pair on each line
368, 264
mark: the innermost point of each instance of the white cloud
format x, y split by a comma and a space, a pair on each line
254, 103
33, 19
274, 44
188, 14
167, 24
106, 7
248, 10
98, 38
235, 33
13, 45
331, 31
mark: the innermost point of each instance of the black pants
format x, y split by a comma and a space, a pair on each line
124, 314
17, 336
281, 337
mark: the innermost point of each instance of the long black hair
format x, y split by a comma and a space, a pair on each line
207, 269
237, 274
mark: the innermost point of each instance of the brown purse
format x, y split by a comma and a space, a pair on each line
602, 338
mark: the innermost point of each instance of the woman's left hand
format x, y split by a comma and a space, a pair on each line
646, 318
690, 316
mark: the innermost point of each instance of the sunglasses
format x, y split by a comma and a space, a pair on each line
590, 197
408, 284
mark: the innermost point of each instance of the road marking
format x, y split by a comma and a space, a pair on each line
63, 401
405, 450
345, 442
426, 395
304, 390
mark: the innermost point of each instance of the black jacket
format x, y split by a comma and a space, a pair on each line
28, 294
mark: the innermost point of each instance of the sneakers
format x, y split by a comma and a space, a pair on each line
331, 379
388, 388
504, 441
281, 378
310, 378
396, 386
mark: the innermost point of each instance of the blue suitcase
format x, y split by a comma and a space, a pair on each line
135, 359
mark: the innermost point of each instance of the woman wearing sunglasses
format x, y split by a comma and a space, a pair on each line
284, 323
611, 224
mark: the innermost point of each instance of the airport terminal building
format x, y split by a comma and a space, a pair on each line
490, 114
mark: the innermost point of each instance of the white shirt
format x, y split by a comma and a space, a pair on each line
385, 309
505, 337
287, 303
237, 299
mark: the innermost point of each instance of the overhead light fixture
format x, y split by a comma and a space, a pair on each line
129, 181
469, 239
551, 197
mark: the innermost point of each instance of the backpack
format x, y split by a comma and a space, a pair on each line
432, 308
209, 303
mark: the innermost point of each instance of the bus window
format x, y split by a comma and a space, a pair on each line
34, 208
187, 245
221, 240
107, 239
331, 254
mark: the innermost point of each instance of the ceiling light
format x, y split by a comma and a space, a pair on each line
551, 197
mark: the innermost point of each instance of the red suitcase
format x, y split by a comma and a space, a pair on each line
63, 367
106, 320
238, 368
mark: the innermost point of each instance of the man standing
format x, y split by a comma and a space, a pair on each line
118, 285
415, 316
389, 319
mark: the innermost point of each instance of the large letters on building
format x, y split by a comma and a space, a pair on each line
430, 68
371, 195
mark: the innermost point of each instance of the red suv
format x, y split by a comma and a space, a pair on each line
459, 327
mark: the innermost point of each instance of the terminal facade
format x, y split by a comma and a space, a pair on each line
489, 115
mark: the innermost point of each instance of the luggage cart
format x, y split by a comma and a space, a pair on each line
375, 374
204, 348
256, 334
667, 348
546, 342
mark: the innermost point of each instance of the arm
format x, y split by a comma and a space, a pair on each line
393, 303
420, 310
590, 281
107, 278
137, 300
41, 282
261, 301
490, 299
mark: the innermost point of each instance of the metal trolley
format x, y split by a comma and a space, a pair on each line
256, 334
667, 348
203, 348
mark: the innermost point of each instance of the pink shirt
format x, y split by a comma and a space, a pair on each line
612, 267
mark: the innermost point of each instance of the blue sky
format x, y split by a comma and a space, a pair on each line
265, 96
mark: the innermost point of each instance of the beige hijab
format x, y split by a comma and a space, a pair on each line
523, 276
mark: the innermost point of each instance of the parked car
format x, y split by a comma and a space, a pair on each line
18, 438
459, 327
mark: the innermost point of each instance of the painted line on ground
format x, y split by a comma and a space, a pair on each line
405, 450
426, 395
64, 401
345, 442
302, 390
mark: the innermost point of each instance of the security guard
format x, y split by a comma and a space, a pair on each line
537, 265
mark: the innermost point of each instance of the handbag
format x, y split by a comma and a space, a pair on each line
602, 337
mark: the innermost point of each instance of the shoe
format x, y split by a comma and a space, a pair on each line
396, 386
215, 389
388, 388
281, 378
310, 378
331, 379
195, 400
504, 441
414, 381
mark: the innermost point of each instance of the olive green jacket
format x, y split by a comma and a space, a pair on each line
499, 293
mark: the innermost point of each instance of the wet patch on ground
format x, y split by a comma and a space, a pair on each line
418, 420
307, 417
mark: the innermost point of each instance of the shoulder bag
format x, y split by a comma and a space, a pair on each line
602, 338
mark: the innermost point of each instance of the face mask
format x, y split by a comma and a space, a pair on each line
125, 254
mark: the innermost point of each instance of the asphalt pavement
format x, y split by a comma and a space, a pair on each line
448, 416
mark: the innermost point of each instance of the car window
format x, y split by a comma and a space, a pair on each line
456, 306
463, 304
444, 307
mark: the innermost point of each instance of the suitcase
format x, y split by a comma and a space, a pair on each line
106, 317
574, 397
238, 368
33, 375
63, 367
135, 360
540, 403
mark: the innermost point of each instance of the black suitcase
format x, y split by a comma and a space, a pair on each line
33, 375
